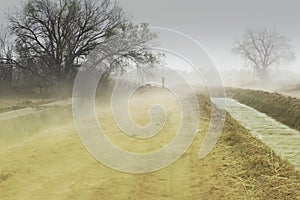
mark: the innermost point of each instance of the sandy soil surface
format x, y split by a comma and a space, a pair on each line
53, 164
295, 93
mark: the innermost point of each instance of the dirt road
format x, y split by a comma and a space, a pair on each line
54, 165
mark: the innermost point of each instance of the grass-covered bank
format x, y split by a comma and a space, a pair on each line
264, 175
282, 108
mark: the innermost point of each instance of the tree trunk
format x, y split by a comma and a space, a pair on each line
263, 75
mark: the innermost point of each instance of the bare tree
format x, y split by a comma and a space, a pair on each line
54, 37
6, 56
263, 49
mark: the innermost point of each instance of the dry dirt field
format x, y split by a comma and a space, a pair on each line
51, 163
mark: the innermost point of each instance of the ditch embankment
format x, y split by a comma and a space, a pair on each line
284, 109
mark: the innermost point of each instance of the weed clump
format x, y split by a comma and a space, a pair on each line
5, 176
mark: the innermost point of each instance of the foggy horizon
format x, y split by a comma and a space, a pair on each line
215, 31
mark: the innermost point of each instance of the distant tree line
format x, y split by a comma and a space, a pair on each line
47, 41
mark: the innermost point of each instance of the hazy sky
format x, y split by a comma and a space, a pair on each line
215, 23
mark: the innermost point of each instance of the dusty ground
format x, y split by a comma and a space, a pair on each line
291, 90
53, 164
293, 93
9, 104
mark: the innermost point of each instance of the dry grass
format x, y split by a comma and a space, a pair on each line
264, 174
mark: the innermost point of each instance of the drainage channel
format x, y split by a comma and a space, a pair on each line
284, 140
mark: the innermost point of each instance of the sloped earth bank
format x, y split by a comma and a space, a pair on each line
53, 164
284, 140
284, 109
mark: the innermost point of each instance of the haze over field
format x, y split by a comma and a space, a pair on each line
215, 24
140, 99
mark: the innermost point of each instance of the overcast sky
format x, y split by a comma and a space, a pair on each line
215, 23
